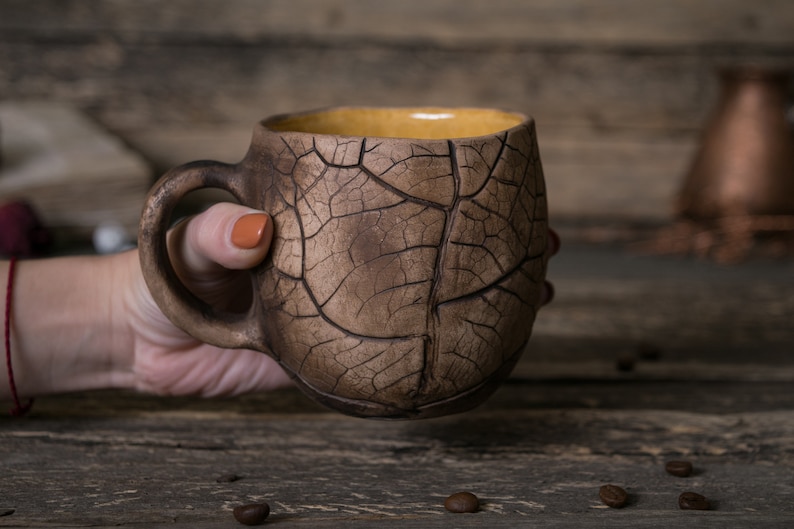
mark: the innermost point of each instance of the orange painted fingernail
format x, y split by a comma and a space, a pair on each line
248, 230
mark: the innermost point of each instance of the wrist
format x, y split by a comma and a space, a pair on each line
62, 333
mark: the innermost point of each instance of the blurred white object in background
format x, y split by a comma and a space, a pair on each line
111, 237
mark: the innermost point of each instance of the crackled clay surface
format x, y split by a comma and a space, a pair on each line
405, 273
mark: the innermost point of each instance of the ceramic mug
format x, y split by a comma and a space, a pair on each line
408, 256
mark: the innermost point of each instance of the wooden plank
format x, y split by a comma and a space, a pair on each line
572, 390
672, 318
678, 317
559, 22
607, 146
619, 88
617, 118
142, 86
543, 466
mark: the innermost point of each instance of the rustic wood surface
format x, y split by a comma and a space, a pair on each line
619, 88
710, 381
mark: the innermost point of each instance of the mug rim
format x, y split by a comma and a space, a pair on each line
513, 120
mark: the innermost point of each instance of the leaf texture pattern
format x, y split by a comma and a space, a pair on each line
404, 276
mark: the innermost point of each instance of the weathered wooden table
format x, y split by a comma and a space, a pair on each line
706, 373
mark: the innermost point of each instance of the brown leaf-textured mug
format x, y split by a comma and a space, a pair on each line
408, 256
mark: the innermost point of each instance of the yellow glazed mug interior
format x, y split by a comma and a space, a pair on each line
427, 123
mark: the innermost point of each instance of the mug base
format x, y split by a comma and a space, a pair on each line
459, 403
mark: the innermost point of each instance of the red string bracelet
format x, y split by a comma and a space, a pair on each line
18, 410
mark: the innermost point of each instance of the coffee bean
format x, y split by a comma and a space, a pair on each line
227, 478
251, 514
693, 501
613, 496
681, 469
462, 502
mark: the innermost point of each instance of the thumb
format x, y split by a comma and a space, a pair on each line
206, 248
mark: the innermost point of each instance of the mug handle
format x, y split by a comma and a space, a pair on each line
185, 310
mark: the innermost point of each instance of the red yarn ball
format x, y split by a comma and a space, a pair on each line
22, 234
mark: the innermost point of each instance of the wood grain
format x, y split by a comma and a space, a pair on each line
577, 22
317, 469
619, 89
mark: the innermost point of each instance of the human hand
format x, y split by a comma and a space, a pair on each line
210, 253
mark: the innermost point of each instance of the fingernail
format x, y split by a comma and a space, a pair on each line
554, 242
248, 230
547, 294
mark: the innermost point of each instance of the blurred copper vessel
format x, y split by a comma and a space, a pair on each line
745, 163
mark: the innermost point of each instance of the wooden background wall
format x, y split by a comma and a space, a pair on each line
619, 88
